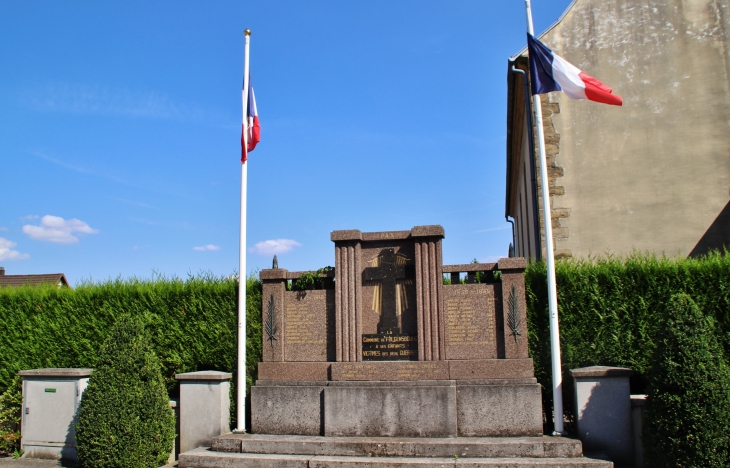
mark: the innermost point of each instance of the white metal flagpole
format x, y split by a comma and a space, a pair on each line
241, 384
549, 258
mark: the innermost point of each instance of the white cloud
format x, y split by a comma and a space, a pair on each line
57, 229
7, 252
500, 228
84, 99
491, 259
3, 228
136, 203
206, 248
274, 246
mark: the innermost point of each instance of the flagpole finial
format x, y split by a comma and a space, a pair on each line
247, 32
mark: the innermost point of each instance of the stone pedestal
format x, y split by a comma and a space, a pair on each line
385, 348
417, 408
204, 407
603, 411
637, 424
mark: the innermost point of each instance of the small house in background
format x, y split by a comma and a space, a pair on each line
58, 279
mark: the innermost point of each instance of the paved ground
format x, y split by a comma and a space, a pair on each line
28, 463
35, 463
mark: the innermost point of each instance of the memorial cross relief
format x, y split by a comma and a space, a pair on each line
388, 272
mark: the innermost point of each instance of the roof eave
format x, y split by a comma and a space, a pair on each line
549, 28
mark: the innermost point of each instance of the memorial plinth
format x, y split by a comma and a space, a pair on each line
385, 348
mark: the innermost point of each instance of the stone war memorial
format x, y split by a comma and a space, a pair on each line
388, 366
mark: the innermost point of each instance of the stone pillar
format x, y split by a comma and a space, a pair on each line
637, 423
348, 296
514, 341
603, 411
204, 407
273, 287
429, 284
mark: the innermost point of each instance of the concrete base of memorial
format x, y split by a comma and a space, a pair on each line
423, 408
257, 450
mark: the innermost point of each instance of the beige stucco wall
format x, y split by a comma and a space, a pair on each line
654, 174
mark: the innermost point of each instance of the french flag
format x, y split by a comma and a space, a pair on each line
551, 72
250, 125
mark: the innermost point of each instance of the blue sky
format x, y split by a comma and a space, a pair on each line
120, 130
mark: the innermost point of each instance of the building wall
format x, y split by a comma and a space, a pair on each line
653, 175
525, 238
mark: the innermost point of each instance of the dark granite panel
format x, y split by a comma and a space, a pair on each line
393, 370
294, 370
514, 263
470, 321
491, 369
385, 236
346, 235
339, 307
272, 336
515, 328
275, 274
428, 231
308, 318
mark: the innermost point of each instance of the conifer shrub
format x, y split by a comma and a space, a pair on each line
125, 419
11, 402
687, 414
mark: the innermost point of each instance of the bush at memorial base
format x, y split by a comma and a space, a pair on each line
125, 419
687, 413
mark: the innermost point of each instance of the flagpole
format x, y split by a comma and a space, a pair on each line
549, 258
241, 384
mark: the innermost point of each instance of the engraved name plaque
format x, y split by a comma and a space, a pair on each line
390, 347
469, 316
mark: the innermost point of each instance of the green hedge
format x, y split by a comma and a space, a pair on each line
193, 324
611, 310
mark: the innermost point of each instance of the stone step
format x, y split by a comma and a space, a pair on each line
204, 458
463, 447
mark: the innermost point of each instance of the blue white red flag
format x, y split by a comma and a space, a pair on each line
551, 72
250, 125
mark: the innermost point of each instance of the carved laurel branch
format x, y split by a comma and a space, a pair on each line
270, 326
513, 315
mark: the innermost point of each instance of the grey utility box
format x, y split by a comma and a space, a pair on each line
50, 400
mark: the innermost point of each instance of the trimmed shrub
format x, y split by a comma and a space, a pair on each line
125, 419
687, 416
